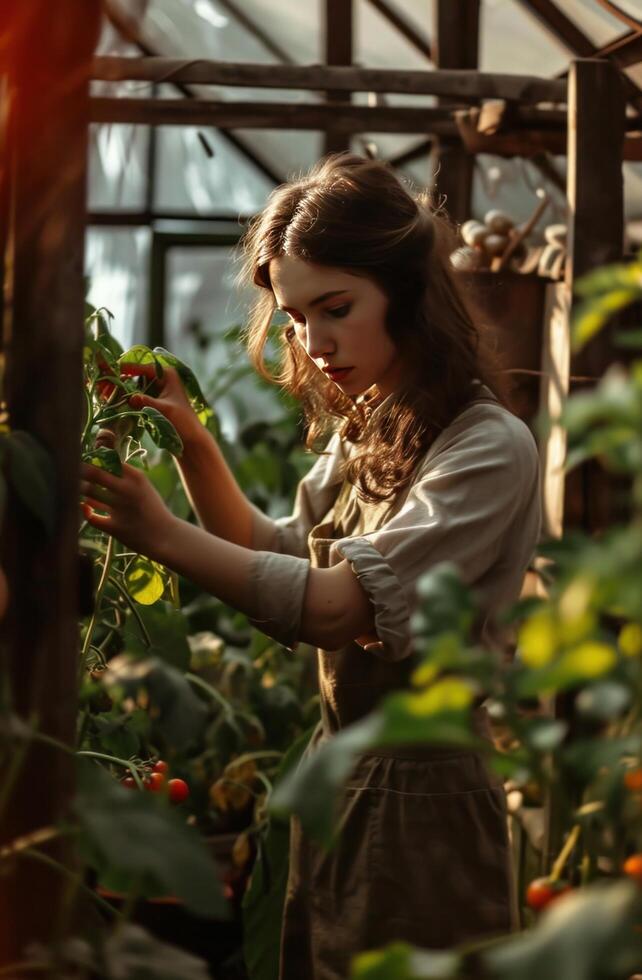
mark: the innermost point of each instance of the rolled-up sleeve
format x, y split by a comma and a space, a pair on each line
315, 495
280, 565
474, 502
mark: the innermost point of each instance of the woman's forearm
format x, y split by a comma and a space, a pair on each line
331, 607
219, 503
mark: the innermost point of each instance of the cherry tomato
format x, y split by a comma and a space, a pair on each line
128, 782
633, 780
632, 868
156, 782
178, 790
160, 766
542, 891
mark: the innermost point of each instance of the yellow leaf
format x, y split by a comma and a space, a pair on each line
630, 640
145, 582
449, 694
589, 660
425, 673
538, 640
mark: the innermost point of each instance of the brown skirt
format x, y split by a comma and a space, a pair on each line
423, 857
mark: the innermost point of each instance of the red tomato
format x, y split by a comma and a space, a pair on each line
156, 782
632, 868
178, 790
633, 780
542, 891
128, 782
160, 766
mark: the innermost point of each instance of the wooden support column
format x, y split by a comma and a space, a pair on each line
455, 45
595, 192
338, 30
45, 156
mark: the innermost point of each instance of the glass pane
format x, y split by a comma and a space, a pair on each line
201, 29
188, 179
378, 44
595, 21
202, 304
117, 167
512, 40
117, 262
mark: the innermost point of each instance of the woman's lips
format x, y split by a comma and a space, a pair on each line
338, 374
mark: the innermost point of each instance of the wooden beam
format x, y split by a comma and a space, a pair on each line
624, 51
460, 86
419, 41
43, 336
337, 43
456, 31
560, 26
268, 115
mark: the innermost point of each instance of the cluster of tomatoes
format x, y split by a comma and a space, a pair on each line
156, 782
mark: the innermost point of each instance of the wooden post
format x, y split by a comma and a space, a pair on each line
596, 107
596, 111
45, 153
456, 44
338, 51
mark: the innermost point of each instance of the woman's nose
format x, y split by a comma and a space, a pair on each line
318, 342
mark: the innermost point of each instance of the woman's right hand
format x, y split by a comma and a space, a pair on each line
171, 401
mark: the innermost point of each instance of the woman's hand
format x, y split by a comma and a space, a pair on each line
171, 401
133, 511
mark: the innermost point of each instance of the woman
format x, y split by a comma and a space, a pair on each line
424, 464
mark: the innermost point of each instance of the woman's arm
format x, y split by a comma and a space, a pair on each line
334, 610
216, 498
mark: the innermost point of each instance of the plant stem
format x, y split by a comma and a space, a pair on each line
57, 866
125, 763
94, 616
213, 693
128, 599
565, 853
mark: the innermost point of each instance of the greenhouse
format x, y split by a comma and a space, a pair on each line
321, 489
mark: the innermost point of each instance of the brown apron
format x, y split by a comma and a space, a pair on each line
423, 854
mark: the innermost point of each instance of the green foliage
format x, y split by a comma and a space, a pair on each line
135, 841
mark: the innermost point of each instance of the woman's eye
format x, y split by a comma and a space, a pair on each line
340, 311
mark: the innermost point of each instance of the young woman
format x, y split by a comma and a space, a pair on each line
424, 463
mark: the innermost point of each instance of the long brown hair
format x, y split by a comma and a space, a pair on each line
353, 213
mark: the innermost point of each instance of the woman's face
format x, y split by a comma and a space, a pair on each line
339, 319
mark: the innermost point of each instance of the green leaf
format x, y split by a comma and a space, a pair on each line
585, 936
145, 581
31, 474
177, 713
162, 358
447, 605
105, 459
161, 431
151, 846
188, 378
167, 629
399, 961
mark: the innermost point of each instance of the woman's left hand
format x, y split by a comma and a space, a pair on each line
132, 510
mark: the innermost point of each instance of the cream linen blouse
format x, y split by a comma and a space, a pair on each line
474, 500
